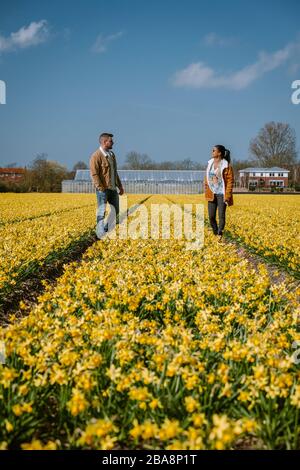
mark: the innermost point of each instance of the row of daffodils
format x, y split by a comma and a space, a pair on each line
268, 225
44, 229
147, 344
18, 207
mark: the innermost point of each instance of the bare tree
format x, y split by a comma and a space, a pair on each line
275, 145
80, 165
137, 161
186, 164
45, 175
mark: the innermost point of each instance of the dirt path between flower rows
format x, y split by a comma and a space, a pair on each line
30, 288
277, 274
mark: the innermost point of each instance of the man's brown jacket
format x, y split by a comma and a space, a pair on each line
100, 170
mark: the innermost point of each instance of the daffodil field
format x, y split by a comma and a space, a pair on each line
271, 227
36, 229
143, 344
268, 225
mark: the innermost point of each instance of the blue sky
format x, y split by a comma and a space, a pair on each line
167, 78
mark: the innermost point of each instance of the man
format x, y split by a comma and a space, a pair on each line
103, 168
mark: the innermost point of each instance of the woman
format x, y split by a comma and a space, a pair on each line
218, 185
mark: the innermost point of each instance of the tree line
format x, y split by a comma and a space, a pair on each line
275, 145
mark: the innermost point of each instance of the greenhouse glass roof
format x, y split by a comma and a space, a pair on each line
149, 175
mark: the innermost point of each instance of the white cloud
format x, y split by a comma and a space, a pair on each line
213, 39
31, 35
102, 42
199, 75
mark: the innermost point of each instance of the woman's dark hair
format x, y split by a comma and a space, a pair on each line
224, 151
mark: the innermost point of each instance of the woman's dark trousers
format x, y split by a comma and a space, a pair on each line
219, 203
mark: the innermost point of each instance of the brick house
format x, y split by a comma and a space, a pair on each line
264, 177
11, 175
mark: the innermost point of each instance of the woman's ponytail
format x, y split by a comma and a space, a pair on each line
227, 155
224, 151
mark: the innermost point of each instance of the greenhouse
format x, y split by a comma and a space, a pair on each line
144, 181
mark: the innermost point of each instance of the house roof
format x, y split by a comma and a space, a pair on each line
258, 170
12, 170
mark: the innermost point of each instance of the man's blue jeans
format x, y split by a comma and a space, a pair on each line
112, 197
